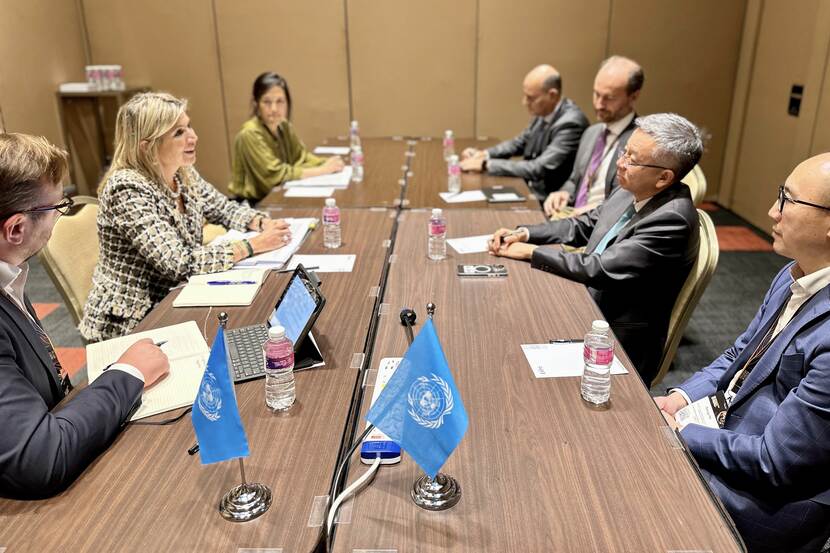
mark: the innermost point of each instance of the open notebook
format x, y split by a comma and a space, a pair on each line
275, 259
188, 354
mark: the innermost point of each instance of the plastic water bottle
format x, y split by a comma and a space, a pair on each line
437, 241
279, 370
357, 164
453, 175
354, 136
449, 145
331, 224
598, 354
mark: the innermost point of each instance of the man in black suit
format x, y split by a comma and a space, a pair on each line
44, 448
639, 245
548, 146
616, 88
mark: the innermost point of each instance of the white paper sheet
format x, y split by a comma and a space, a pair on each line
506, 197
470, 244
326, 263
561, 359
188, 354
337, 180
332, 150
309, 192
461, 197
275, 259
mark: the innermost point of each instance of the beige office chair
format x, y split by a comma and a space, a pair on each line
696, 181
696, 282
72, 252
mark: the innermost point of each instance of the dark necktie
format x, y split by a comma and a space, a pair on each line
593, 167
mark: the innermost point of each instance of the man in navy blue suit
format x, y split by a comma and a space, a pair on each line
765, 448
48, 439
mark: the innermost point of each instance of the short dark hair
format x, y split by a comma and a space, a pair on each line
553, 80
265, 82
635, 79
25, 162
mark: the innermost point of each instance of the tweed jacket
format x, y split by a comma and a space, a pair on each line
148, 247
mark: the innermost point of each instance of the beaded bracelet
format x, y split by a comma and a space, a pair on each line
248, 247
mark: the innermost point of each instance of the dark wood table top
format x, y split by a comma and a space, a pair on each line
384, 161
539, 469
147, 494
428, 177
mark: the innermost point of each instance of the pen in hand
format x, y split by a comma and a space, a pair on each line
160, 343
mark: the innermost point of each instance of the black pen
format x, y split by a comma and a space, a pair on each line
565, 341
160, 343
193, 450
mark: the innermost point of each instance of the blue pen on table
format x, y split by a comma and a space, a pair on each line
229, 282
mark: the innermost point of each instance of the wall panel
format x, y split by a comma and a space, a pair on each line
689, 51
42, 46
766, 153
169, 45
413, 66
305, 42
571, 36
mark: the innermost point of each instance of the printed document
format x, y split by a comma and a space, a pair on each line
337, 180
470, 244
561, 359
463, 197
310, 192
325, 263
332, 150
275, 259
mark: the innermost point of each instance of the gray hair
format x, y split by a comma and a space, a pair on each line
679, 141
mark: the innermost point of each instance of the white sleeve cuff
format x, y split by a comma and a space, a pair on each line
682, 393
129, 369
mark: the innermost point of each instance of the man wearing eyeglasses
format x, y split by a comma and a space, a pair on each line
765, 446
43, 450
639, 245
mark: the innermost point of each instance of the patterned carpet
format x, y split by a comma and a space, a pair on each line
745, 269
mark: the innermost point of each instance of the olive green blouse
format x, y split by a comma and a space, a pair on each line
262, 160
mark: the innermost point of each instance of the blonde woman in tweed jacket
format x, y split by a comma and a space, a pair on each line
153, 205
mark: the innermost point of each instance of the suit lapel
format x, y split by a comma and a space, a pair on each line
817, 306
25, 326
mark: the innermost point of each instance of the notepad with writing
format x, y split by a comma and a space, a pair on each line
185, 348
228, 288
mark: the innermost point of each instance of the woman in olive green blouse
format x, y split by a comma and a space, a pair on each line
267, 151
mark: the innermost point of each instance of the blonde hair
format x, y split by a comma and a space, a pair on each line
145, 118
26, 164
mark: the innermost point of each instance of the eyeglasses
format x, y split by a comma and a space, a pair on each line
626, 160
783, 197
63, 207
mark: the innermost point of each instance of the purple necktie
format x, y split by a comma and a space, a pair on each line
593, 167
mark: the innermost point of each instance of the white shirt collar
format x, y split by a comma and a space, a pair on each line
549, 117
617, 127
807, 285
639, 205
13, 280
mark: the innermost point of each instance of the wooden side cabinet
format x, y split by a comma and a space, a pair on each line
88, 122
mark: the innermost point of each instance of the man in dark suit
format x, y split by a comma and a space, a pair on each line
548, 146
616, 88
44, 448
639, 245
766, 455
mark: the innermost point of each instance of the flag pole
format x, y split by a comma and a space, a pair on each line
443, 491
246, 501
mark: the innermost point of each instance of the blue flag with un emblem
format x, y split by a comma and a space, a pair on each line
420, 408
216, 420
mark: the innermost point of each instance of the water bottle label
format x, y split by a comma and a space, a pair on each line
598, 356
437, 227
358, 159
449, 143
454, 170
278, 363
331, 218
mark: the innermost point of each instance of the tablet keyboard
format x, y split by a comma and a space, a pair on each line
245, 351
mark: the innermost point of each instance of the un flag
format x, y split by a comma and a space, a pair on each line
420, 408
216, 420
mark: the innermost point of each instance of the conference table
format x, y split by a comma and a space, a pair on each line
539, 469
